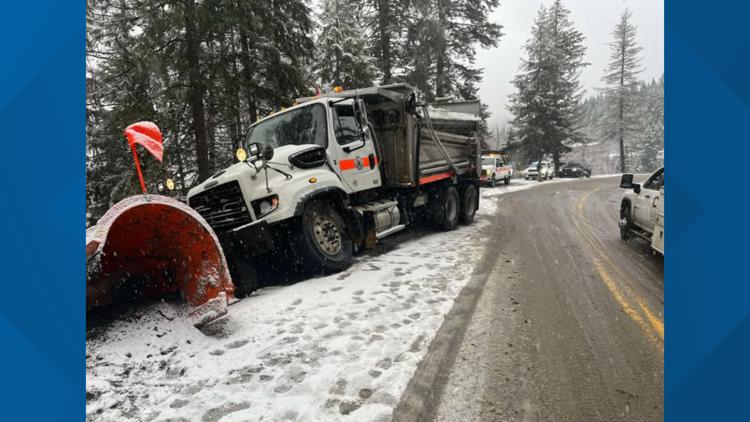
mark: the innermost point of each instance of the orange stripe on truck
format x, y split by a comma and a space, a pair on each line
351, 164
435, 177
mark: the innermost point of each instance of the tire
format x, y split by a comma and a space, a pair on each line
469, 204
323, 243
493, 182
625, 214
507, 180
446, 208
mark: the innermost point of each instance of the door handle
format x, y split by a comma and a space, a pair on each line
648, 196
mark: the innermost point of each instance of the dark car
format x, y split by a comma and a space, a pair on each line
573, 169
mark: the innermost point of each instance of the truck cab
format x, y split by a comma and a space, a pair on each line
642, 209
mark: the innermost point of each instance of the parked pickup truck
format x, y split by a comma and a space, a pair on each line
642, 209
494, 170
336, 172
546, 169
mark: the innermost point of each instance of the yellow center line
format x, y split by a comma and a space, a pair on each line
651, 325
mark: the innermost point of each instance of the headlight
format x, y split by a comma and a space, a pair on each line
265, 206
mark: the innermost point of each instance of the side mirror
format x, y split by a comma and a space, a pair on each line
627, 181
267, 152
253, 150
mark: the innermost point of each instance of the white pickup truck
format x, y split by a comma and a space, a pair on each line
546, 168
495, 170
642, 209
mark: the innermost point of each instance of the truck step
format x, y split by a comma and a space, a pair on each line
390, 231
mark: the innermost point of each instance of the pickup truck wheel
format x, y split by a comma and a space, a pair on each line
625, 216
324, 243
469, 204
447, 208
493, 182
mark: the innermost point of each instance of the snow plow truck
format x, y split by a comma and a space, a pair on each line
336, 172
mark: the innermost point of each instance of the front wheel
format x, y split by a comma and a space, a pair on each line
469, 204
625, 221
324, 242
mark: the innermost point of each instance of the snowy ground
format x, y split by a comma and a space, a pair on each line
341, 347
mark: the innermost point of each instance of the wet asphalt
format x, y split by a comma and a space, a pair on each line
562, 320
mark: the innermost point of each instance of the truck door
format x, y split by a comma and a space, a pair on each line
648, 200
358, 163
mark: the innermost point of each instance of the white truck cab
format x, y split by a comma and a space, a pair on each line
642, 209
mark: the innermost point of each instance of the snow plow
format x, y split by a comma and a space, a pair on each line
151, 246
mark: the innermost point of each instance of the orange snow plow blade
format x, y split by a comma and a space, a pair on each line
148, 246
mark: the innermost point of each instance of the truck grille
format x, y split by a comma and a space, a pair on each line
223, 207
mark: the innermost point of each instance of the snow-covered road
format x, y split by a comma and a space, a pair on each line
340, 347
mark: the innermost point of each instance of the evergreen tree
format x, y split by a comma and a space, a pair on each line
201, 70
441, 45
621, 78
546, 104
343, 58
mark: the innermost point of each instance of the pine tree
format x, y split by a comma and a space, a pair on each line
527, 104
621, 78
441, 45
201, 70
341, 47
546, 104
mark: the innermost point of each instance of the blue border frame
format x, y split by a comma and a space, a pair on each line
42, 319
707, 301
42, 116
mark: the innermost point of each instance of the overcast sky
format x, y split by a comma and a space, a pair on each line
594, 18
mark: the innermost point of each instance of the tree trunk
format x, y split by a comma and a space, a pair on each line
384, 12
440, 85
247, 76
197, 91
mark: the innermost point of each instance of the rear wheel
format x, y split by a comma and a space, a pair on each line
469, 204
446, 208
507, 180
324, 242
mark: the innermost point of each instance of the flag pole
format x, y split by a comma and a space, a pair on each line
138, 167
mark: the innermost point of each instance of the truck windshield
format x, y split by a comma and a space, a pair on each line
305, 125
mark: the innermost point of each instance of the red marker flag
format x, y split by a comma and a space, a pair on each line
147, 135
